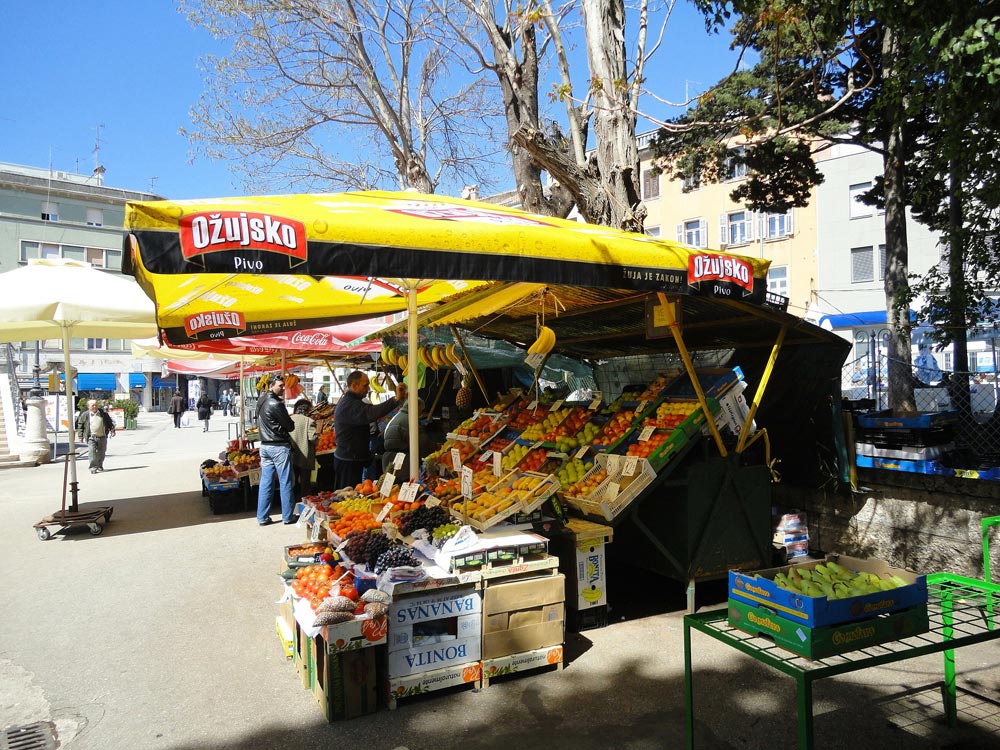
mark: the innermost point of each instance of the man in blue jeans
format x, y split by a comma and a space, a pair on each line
276, 427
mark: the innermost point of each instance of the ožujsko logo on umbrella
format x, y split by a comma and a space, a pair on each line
235, 230
709, 267
213, 321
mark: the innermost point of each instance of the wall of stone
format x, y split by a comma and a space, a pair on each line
923, 523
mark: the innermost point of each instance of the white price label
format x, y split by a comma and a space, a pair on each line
386, 510
497, 463
557, 405
612, 491
460, 366
397, 462
391, 530
386, 489
456, 459
614, 461
582, 452
254, 477
342, 546
496, 417
432, 502
646, 434
631, 464
486, 457
466, 482
641, 407
595, 404
534, 361
408, 492
533, 405
314, 533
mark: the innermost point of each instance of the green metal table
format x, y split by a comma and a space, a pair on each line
961, 614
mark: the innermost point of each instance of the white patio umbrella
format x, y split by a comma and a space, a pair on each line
64, 299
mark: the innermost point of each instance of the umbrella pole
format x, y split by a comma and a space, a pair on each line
241, 425
71, 409
468, 360
413, 418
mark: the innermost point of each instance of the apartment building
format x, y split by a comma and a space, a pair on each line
55, 214
702, 215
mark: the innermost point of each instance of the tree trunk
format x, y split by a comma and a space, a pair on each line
615, 160
961, 399
897, 252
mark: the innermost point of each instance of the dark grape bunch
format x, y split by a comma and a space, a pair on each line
366, 546
423, 518
443, 533
396, 557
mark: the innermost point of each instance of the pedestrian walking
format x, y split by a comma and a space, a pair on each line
224, 403
275, 427
352, 423
177, 408
94, 426
303, 447
204, 409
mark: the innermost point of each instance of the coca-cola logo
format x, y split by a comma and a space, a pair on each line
315, 339
241, 230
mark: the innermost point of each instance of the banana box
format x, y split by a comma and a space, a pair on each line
760, 588
821, 642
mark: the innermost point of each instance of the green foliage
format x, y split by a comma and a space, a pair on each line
130, 407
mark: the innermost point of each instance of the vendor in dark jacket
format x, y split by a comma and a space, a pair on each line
276, 427
351, 420
397, 440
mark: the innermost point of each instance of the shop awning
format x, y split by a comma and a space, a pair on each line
136, 380
856, 319
159, 382
96, 381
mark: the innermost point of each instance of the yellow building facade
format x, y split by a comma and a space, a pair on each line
706, 217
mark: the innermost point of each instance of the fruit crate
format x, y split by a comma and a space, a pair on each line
605, 500
457, 511
532, 500
580, 502
714, 382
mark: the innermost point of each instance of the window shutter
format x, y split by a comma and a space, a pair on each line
751, 220
702, 233
680, 233
789, 228
723, 230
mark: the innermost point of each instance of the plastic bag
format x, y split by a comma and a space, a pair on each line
185, 420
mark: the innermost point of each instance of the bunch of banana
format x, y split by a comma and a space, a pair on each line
451, 353
544, 343
426, 359
376, 385
402, 361
262, 381
834, 581
439, 356
389, 355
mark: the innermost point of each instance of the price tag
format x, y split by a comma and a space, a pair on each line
533, 405
314, 533
595, 404
341, 547
408, 492
641, 407
631, 464
432, 502
386, 489
391, 531
254, 477
487, 455
497, 464
582, 452
612, 491
386, 510
646, 434
456, 459
397, 462
460, 366
466, 481
557, 405
614, 461
496, 417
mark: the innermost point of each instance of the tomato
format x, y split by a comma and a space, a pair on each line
360, 609
349, 591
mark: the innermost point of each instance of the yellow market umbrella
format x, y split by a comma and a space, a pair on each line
235, 266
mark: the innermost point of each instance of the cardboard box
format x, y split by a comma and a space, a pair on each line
759, 588
520, 639
345, 684
791, 537
434, 656
436, 679
821, 642
523, 615
523, 594
791, 522
523, 661
303, 657
591, 587
434, 630
361, 632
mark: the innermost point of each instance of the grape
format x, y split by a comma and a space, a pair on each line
423, 518
443, 533
395, 557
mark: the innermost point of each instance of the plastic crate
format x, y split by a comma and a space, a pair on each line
586, 619
714, 382
599, 502
899, 464
887, 420
226, 500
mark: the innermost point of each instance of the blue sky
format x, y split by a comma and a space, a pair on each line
132, 69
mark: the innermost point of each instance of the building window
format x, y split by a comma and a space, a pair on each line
735, 166
691, 182
652, 231
97, 344
777, 280
881, 260
650, 184
95, 217
96, 256
778, 225
50, 211
736, 228
858, 209
862, 264
693, 233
